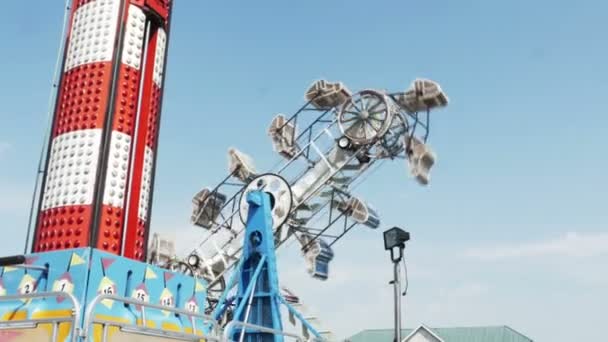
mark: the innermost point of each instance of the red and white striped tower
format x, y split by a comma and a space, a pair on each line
97, 189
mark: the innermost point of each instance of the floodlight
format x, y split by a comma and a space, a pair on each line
395, 237
193, 260
344, 143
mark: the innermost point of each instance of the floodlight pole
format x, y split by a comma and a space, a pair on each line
397, 289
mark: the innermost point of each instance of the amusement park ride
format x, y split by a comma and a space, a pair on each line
92, 275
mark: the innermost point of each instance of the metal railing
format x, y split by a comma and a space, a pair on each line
33, 323
89, 321
143, 329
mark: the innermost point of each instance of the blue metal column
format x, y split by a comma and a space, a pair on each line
257, 300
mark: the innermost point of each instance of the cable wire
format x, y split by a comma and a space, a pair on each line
52, 96
407, 283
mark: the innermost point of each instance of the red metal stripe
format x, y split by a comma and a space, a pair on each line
138, 251
100, 214
110, 229
63, 227
135, 233
112, 218
153, 123
126, 100
83, 98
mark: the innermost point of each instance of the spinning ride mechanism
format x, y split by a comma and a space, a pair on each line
325, 148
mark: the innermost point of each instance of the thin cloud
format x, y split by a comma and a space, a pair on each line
569, 245
4, 148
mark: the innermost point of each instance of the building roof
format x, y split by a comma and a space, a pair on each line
464, 334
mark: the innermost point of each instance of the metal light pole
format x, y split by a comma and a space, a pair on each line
394, 239
397, 290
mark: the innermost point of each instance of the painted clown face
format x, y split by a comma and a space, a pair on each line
63, 284
191, 305
27, 285
166, 297
141, 293
107, 286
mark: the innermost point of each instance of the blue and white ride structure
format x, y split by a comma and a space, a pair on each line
86, 294
258, 296
325, 150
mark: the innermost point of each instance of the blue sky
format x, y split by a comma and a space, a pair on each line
514, 226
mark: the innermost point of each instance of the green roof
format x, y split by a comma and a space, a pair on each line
468, 334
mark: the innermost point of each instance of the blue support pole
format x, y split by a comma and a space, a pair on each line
221, 305
259, 282
239, 309
258, 297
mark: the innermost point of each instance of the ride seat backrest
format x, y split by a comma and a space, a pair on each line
207, 206
421, 159
283, 135
326, 95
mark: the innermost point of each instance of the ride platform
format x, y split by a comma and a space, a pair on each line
88, 295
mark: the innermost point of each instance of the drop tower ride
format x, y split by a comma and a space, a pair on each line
85, 279
99, 172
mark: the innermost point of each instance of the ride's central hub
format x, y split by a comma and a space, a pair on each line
364, 114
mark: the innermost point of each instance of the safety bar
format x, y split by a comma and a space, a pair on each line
31, 323
88, 317
234, 324
31, 267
